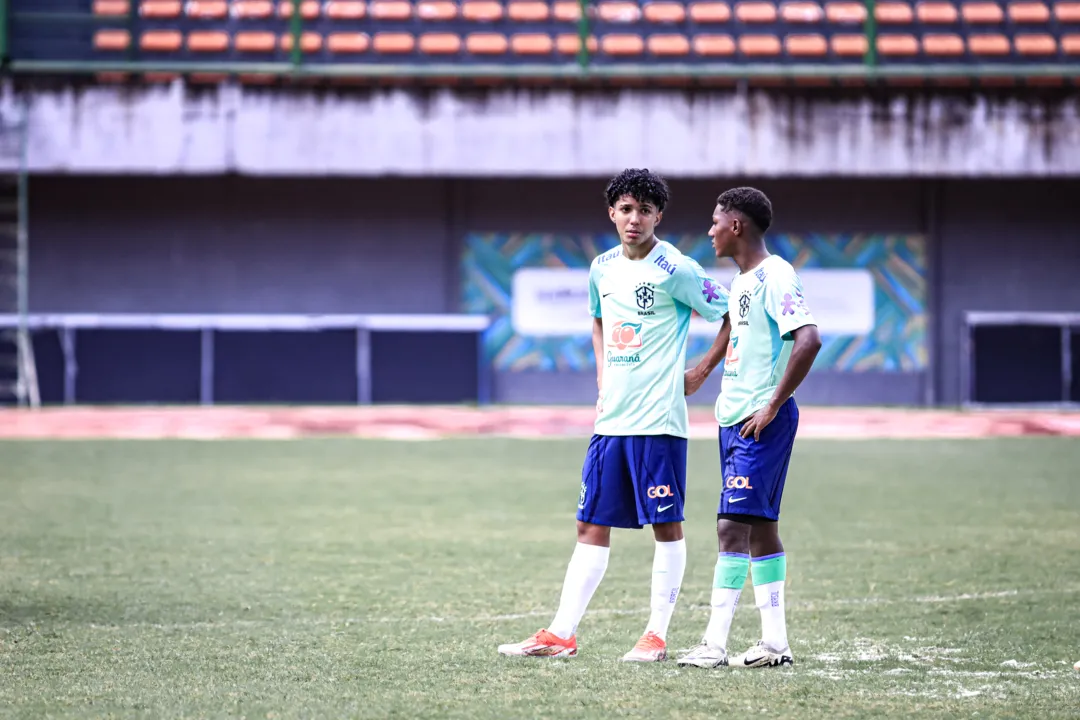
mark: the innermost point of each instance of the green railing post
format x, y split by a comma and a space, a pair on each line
3, 31
583, 34
871, 35
296, 27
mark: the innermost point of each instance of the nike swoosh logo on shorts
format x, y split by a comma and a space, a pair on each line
665, 507
735, 500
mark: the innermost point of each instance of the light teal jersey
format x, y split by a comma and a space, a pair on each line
767, 304
646, 307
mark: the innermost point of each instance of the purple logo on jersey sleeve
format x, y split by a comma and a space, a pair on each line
711, 291
788, 304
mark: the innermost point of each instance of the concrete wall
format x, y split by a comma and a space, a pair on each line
173, 129
229, 244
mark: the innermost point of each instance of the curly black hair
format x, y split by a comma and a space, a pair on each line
640, 184
751, 202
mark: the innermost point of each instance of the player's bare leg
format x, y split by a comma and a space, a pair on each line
669, 564
768, 567
583, 576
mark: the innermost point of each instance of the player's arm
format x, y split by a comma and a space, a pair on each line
598, 349
785, 304
597, 325
696, 376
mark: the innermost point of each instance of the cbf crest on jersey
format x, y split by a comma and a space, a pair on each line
645, 296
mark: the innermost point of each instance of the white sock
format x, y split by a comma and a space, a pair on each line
769, 599
669, 564
583, 576
731, 571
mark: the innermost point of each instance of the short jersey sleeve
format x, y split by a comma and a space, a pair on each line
785, 302
690, 285
594, 291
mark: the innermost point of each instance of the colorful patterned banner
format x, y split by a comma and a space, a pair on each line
897, 264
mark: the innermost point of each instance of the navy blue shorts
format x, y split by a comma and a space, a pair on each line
754, 472
632, 481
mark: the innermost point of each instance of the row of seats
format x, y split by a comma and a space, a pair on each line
976, 12
795, 45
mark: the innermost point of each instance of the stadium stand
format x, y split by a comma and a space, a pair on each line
514, 36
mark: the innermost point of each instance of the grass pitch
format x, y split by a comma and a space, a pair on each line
346, 578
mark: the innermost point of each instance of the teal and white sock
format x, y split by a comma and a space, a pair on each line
728, 581
769, 573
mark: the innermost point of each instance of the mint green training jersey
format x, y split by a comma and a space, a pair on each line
766, 304
646, 307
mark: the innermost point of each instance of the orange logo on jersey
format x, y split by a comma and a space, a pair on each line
625, 335
659, 491
738, 482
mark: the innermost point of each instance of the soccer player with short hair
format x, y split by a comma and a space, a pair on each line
774, 340
641, 297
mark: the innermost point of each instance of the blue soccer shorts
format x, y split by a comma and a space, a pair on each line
632, 481
754, 471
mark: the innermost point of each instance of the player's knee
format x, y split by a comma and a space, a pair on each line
668, 532
733, 536
590, 534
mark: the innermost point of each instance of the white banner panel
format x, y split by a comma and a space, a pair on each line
555, 301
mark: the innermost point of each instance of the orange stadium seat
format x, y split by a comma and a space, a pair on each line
755, 12
436, 10
1070, 44
112, 40
112, 7
806, 45
388, 9
255, 42
161, 8
348, 43
618, 12
310, 42
434, 43
345, 9
393, 43
570, 44
1029, 13
1038, 44
622, 44
802, 12
668, 45
710, 12
482, 10
251, 9
988, 44
982, 13
309, 9
937, 13
849, 45
528, 11
893, 13
207, 9
1067, 12
845, 12
759, 45
532, 44
897, 44
566, 11
161, 40
943, 45
487, 43
212, 41
713, 45
665, 12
